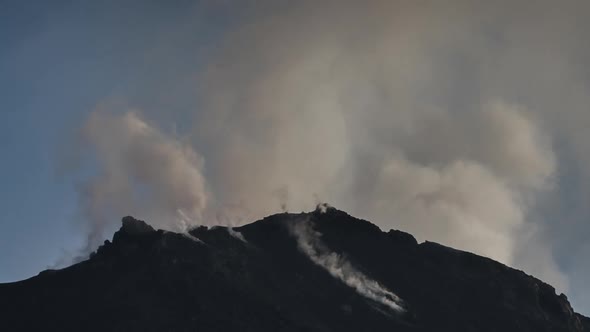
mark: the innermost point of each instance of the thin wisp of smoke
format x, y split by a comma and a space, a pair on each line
236, 234
309, 242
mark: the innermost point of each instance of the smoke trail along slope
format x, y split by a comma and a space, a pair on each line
309, 242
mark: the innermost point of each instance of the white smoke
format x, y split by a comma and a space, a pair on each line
236, 234
140, 171
193, 238
449, 120
361, 115
309, 242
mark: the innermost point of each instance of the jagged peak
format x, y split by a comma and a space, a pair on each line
132, 226
444, 289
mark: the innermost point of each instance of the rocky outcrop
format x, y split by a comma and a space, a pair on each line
258, 277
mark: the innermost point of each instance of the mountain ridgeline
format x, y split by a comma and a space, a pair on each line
317, 271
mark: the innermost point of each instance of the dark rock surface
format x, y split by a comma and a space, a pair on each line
214, 280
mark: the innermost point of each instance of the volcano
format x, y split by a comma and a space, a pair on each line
319, 271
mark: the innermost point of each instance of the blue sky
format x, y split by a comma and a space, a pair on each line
374, 107
58, 61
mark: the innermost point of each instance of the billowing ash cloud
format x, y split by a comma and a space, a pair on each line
376, 118
462, 122
140, 171
309, 242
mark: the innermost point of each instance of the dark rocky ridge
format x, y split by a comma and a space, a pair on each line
152, 280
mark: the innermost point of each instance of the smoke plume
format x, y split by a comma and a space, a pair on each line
464, 123
363, 116
141, 172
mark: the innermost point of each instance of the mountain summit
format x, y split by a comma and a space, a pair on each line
318, 271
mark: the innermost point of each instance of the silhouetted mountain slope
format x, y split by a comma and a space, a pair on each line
318, 271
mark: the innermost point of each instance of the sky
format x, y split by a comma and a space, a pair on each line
463, 123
